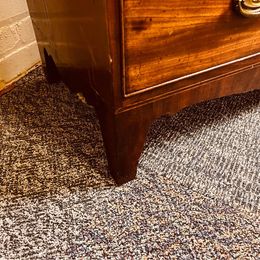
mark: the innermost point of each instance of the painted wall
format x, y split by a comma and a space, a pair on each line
18, 48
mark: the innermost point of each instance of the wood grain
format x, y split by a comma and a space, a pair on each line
76, 37
164, 40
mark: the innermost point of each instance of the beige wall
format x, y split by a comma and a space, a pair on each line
18, 48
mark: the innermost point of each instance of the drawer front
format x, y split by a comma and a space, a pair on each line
165, 41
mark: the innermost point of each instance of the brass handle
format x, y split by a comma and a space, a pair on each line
248, 8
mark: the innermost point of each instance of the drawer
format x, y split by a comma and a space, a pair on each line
88, 44
165, 41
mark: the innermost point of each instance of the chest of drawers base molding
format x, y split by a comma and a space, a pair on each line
83, 44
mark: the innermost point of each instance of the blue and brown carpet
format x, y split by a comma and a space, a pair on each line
196, 196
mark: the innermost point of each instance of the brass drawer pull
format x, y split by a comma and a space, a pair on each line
248, 8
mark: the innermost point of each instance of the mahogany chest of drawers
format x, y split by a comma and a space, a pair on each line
136, 60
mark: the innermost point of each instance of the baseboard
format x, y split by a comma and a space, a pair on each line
8, 87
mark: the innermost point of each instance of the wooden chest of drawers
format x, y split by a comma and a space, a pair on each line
137, 60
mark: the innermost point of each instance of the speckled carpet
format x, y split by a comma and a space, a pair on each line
196, 195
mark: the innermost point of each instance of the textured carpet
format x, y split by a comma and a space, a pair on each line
196, 195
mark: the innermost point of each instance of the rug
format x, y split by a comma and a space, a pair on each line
196, 195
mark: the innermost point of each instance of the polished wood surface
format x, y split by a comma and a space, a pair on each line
75, 35
93, 45
165, 40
